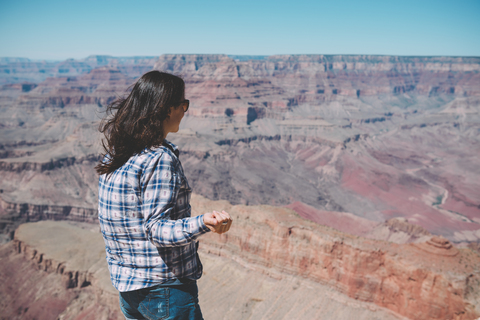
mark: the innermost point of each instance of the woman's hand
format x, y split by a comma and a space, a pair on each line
218, 222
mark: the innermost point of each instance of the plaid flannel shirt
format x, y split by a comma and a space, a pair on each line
146, 223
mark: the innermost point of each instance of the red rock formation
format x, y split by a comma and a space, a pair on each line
80, 288
428, 281
432, 280
438, 246
376, 136
319, 78
23, 299
37, 285
269, 240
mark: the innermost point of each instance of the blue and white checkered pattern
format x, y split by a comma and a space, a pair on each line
144, 214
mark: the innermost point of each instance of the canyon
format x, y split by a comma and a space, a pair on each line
377, 156
272, 265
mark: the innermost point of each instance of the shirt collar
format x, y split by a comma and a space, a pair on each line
171, 146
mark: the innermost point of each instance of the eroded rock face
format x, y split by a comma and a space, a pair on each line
374, 136
398, 230
25, 71
66, 277
432, 280
438, 246
267, 247
56, 271
319, 78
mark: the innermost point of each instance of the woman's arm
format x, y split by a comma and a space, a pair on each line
161, 183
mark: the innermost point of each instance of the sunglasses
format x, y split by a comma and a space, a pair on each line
185, 102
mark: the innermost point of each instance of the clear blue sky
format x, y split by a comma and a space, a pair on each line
52, 29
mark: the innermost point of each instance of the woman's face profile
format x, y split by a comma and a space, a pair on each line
175, 116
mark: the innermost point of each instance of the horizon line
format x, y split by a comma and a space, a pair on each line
258, 56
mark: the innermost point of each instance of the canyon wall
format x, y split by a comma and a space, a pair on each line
376, 147
268, 247
430, 280
66, 277
28, 72
379, 137
56, 270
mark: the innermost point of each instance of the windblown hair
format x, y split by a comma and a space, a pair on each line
136, 122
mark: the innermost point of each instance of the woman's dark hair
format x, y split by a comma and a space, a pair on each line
135, 122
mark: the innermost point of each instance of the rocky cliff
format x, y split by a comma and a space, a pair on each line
267, 248
378, 137
286, 81
430, 280
28, 72
373, 146
67, 278
56, 271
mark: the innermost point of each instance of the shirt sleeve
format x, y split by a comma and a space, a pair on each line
161, 185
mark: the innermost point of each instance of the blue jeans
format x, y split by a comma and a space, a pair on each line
179, 301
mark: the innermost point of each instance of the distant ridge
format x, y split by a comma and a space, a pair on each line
247, 57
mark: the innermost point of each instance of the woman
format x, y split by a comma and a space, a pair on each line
143, 208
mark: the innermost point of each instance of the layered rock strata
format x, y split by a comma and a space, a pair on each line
66, 277
374, 136
28, 72
55, 270
319, 78
319, 269
433, 280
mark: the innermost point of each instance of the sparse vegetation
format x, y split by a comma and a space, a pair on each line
439, 201
229, 112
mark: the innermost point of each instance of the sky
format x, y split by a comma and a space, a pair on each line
58, 30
